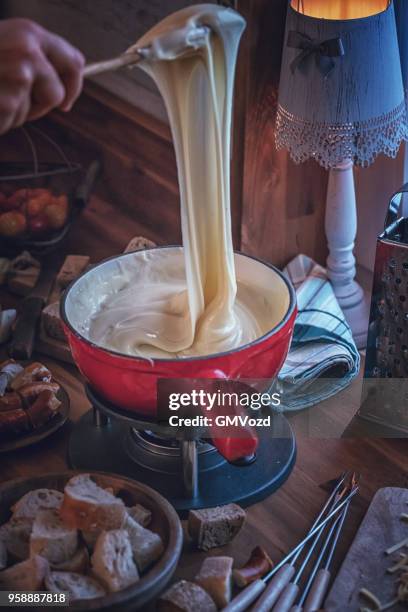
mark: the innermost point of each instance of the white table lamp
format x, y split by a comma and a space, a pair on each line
341, 102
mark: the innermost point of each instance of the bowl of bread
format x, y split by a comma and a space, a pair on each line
107, 542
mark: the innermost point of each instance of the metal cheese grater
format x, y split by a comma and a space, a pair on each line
386, 394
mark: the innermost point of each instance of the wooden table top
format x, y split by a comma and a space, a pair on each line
281, 520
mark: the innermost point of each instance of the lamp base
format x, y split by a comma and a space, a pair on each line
341, 229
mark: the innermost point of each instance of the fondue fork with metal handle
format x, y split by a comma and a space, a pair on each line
290, 592
299, 606
250, 594
318, 582
133, 56
241, 602
281, 591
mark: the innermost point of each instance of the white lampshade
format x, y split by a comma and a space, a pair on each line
341, 93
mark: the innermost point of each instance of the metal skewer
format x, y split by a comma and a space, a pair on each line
281, 585
288, 596
316, 587
251, 593
298, 607
334, 497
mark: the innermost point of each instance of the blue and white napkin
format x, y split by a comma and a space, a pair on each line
323, 358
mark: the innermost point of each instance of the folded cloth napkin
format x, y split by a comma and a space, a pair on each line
323, 358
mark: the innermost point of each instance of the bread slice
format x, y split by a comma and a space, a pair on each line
88, 507
28, 575
78, 563
140, 514
138, 243
31, 391
16, 537
35, 372
51, 538
43, 409
213, 527
90, 537
3, 555
52, 322
215, 576
147, 546
112, 560
72, 267
184, 596
75, 585
39, 499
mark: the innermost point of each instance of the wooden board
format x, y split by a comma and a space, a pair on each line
47, 345
366, 562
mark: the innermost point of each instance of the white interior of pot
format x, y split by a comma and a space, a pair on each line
89, 291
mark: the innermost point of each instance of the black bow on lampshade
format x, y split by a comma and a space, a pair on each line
324, 51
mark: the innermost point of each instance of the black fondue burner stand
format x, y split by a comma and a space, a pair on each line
189, 472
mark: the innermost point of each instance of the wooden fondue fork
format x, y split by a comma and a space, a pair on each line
126, 59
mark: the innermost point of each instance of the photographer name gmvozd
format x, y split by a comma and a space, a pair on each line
222, 420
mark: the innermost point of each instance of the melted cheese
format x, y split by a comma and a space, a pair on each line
160, 310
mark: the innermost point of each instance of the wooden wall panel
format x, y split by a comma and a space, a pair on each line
374, 186
139, 174
282, 203
138, 163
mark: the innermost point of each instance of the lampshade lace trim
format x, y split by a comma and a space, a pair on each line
330, 145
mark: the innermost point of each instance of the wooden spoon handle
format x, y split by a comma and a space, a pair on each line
126, 59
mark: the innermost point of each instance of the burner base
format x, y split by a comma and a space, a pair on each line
110, 448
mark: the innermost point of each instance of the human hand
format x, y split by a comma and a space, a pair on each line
39, 71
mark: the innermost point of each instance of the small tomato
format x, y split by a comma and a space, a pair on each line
36, 205
39, 224
57, 215
12, 224
17, 199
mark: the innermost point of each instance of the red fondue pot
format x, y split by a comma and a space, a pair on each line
130, 383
